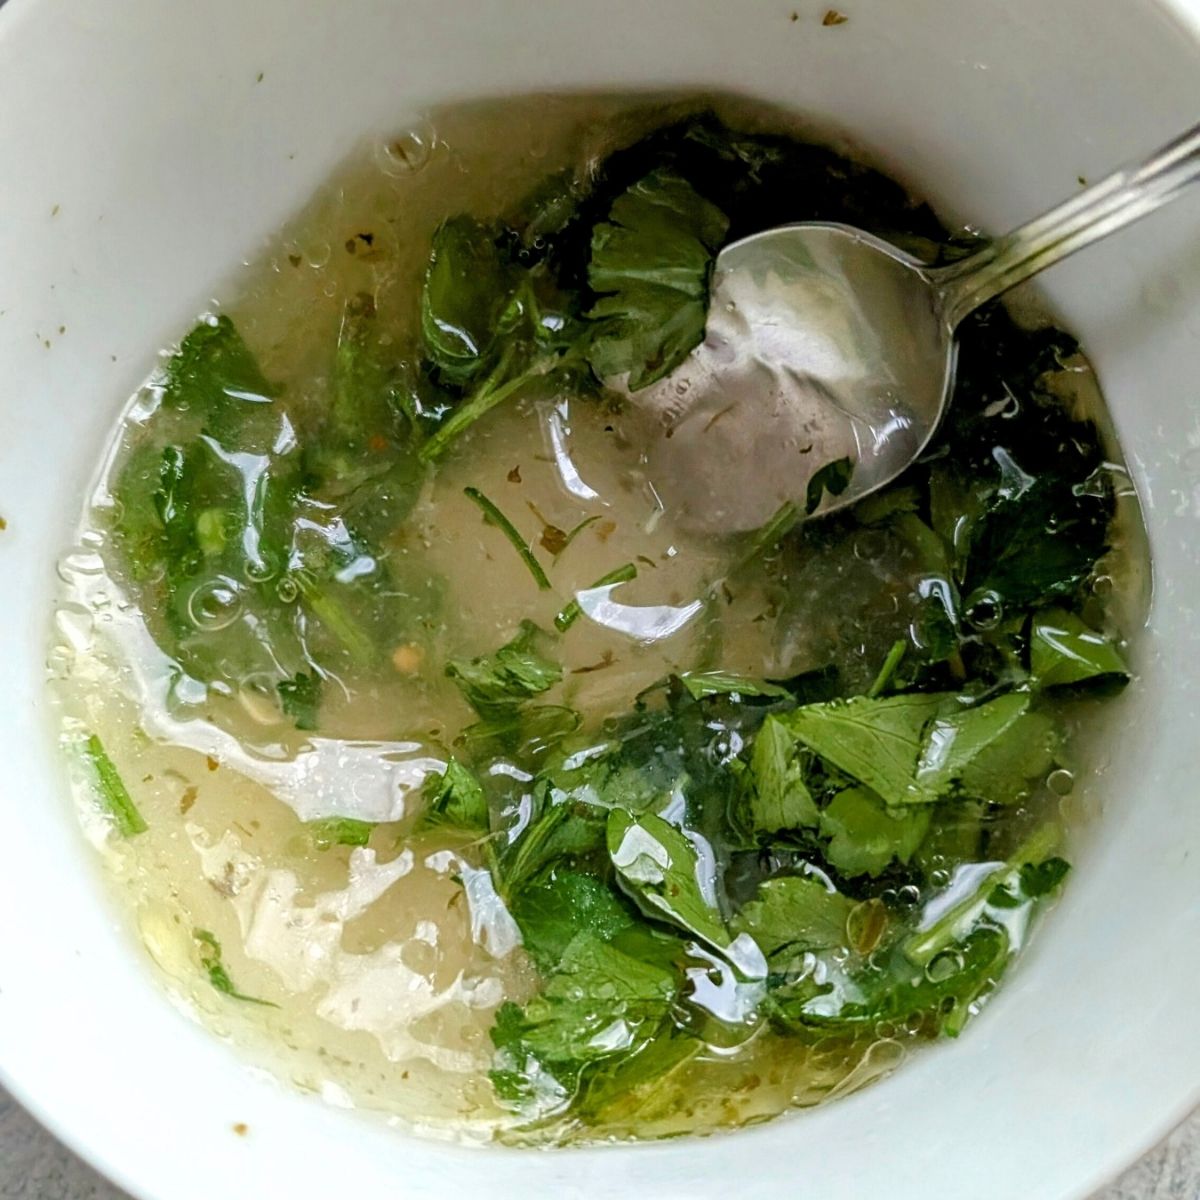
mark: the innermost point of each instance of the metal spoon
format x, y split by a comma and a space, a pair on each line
825, 343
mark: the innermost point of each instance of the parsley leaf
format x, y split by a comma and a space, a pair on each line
651, 263
795, 913
669, 875
702, 684
1063, 650
552, 913
495, 683
300, 698
340, 831
832, 479
866, 836
777, 796
455, 797
990, 751
467, 286
875, 741
600, 1004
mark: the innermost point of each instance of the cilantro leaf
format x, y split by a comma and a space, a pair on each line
866, 836
495, 683
795, 912
650, 266
300, 698
1063, 650
455, 797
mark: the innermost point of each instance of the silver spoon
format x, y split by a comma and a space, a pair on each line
825, 343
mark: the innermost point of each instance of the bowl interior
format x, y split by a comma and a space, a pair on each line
150, 149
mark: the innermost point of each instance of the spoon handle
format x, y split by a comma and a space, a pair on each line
1125, 196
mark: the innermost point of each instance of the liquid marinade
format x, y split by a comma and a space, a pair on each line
288, 883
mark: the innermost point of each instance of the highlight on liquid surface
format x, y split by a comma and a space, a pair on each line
445, 767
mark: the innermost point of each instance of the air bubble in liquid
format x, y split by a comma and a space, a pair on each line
407, 152
948, 963
286, 590
215, 604
986, 612
1060, 782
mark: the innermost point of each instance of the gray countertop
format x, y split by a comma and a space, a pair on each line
33, 1166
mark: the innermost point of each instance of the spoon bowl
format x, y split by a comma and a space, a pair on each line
828, 357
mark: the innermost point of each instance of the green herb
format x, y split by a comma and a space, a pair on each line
865, 836
551, 914
573, 533
956, 922
667, 873
467, 287
114, 796
214, 966
796, 913
518, 671
701, 684
778, 797
495, 517
1063, 650
991, 751
832, 479
455, 797
300, 698
214, 374
547, 1050
527, 731
651, 263
894, 658
339, 831
572, 612
875, 741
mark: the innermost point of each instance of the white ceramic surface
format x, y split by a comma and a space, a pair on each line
141, 161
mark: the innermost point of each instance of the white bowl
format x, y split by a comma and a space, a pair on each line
142, 160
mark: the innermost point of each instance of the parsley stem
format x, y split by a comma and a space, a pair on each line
487, 396
894, 657
572, 612
113, 793
336, 618
493, 515
958, 921
575, 533
765, 536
